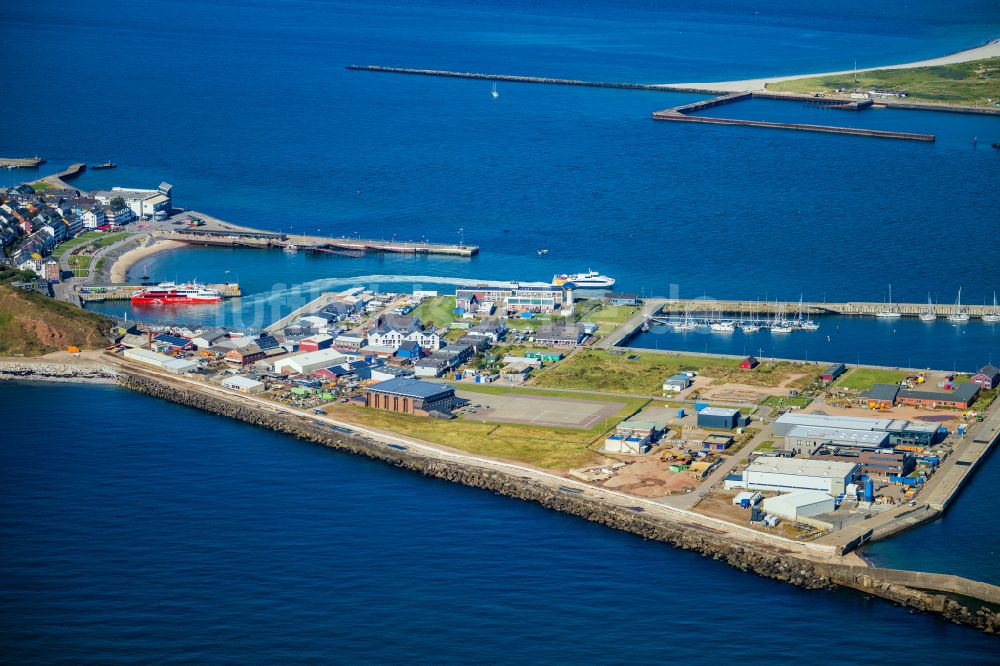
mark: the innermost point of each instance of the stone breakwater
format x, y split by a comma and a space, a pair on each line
50, 371
774, 563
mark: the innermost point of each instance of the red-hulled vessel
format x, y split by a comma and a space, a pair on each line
168, 292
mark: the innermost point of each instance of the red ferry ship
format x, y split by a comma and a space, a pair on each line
168, 292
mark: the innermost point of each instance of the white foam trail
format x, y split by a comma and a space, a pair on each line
325, 284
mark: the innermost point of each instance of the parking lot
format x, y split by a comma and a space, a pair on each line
539, 410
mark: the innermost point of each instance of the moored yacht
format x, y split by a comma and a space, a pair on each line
889, 311
992, 316
960, 314
588, 280
928, 313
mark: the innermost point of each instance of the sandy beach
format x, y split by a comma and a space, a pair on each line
132, 257
989, 50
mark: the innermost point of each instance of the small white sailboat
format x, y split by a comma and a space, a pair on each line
959, 315
889, 311
805, 324
723, 326
685, 324
495, 94
779, 324
928, 314
751, 325
993, 316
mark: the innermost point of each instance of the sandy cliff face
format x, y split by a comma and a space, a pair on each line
32, 324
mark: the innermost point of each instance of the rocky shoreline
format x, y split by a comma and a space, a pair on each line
40, 370
956, 605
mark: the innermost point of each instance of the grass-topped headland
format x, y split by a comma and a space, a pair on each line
32, 324
975, 83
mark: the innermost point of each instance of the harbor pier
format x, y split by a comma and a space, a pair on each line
20, 162
124, 292
683, 114
869, 308
214, 232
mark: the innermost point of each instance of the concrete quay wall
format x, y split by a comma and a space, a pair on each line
774, 563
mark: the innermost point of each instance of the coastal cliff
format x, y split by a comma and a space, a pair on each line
955, 598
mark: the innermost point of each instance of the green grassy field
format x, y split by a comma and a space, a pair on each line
599, 370
73, 243
863, 379
551, 448
787, 401
970, 83
111, 238
80, 264
40, 186
438, 311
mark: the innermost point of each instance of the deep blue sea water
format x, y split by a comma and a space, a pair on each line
198, 539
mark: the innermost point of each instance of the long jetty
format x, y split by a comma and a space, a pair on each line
682, 113
329, 245
21, 162
509, 78
696, 305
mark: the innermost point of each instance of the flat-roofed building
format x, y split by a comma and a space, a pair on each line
784, 423
911, 433
802, 504
901, 431
411, 396
806, 439
308, 362
243, 384
874, 464
719, 418
788, 474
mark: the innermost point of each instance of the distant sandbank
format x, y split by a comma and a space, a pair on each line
990, 49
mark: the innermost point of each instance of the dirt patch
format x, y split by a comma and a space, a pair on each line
651, 478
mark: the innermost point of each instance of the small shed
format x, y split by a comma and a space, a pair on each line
717, 442
749, 363
832, 372
881, 396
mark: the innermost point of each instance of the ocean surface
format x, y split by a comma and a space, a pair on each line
193, 538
